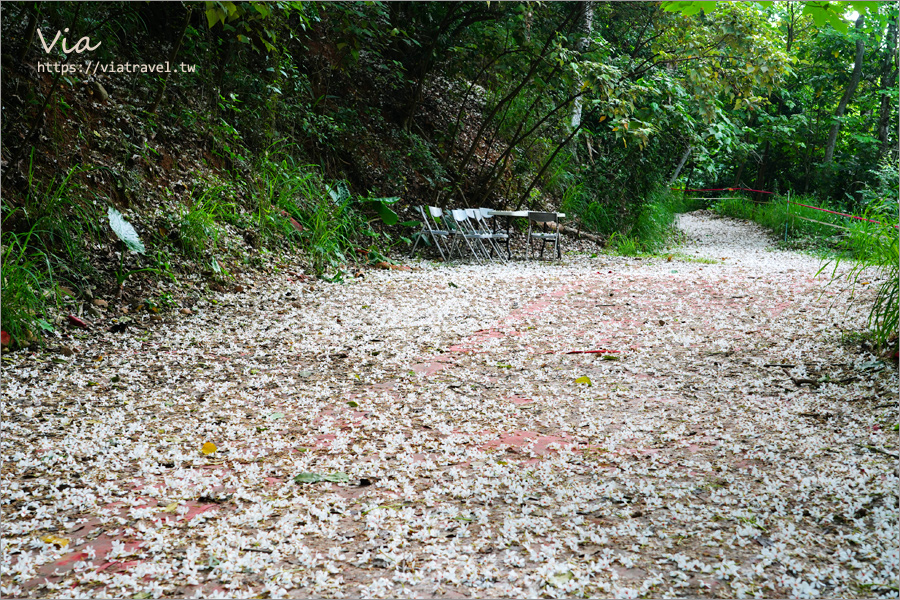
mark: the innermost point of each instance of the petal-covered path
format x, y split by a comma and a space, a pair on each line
461, 435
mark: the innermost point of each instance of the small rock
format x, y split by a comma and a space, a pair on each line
100, 91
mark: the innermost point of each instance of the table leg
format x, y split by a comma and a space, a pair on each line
508, 235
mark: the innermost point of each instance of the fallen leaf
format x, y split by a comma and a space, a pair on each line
558, 579
584, 379
317, 477
276, 415
77, 322
56, 540
353, 404
208, 448
170, 508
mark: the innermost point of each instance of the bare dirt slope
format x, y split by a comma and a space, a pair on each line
727, 442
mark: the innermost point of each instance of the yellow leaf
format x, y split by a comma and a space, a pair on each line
208, 448
584, 379
170, 508
601, 119
53, 539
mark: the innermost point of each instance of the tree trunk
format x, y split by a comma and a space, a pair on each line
584, 43
888, 82
533, 68
680, 166
30, 30
687, 182
739, 173
848, 93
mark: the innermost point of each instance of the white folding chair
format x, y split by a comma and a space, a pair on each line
539, 231
493, 236
467, 232
431, 221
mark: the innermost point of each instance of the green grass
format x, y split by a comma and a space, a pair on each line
45, 237
653, 227
802, 227
26, 273
198, 225
873, 251
681, 256
332, 221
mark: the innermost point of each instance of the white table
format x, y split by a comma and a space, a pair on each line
510, 215
518, 213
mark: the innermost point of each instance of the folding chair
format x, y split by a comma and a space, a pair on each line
493, 235
431, 227
467, 232
539, 230
500, 233
481, 236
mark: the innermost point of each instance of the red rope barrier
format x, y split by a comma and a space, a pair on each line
841, 214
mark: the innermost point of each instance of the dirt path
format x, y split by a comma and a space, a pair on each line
479, 460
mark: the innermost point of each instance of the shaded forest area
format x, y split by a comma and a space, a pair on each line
316, 127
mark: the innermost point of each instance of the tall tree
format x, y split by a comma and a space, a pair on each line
848, 92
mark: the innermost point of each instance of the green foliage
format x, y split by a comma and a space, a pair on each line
876, 257
44, 238
124, 231
26, 273
625, 245
649, 231
737, 207
198, 232
331, 227
802, 226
